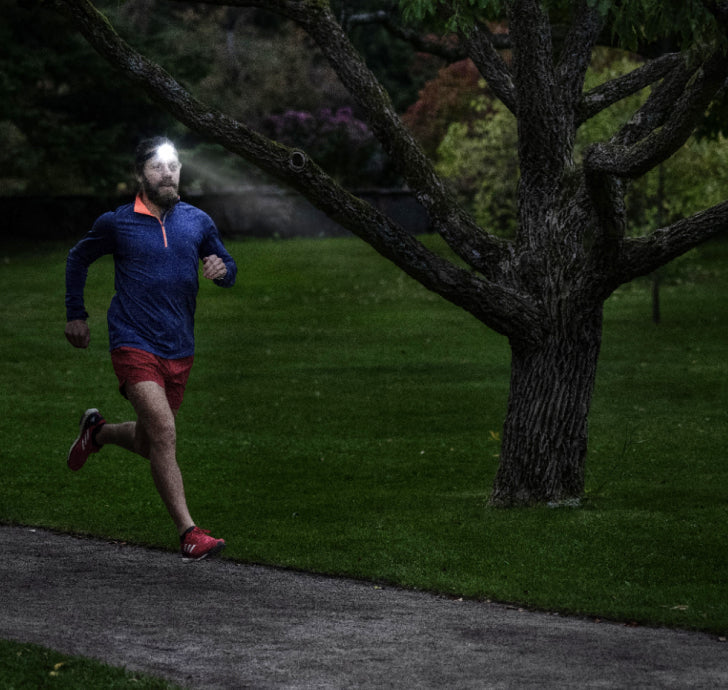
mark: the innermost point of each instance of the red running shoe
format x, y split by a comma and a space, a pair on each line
85, 444
196, 544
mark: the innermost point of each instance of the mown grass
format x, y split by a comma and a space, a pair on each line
342, 419
31, 667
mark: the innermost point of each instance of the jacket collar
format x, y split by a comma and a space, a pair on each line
141, 207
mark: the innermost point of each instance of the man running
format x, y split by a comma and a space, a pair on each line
157, 243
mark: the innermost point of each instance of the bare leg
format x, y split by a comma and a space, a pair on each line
153, 436
123, 435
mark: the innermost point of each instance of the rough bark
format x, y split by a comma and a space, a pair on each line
481, 48
545, 433
611, 92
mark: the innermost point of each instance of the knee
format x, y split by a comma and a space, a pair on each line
161, 435
164, 434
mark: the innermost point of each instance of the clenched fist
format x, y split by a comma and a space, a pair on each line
213, 267
77, 333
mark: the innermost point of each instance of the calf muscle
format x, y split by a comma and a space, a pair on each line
155, 438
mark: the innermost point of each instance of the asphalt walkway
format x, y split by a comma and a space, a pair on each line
219, 624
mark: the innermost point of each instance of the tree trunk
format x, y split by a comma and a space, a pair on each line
546, 429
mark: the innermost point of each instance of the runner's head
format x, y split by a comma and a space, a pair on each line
149, 148
157, 169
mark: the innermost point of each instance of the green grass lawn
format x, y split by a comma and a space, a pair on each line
342, 419
31, 667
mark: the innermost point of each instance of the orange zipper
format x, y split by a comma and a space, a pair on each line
140, 207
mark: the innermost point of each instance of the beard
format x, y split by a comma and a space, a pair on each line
164, 194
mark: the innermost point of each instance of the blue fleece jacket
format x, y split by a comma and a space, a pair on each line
156, 275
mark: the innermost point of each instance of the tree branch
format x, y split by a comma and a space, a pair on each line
656, 109
456, 227
577, 54
492, 304
545, 131
611, 92
643, 255
480, 47
484, 252
532, 60
664, 138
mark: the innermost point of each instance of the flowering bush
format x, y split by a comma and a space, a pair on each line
339, 142
445, 99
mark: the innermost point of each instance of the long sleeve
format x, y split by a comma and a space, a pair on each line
97, 242
213, 245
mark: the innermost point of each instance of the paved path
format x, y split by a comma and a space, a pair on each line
219, 624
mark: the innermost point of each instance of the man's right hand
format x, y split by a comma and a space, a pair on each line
77, 333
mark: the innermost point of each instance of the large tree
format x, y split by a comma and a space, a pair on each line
545, 289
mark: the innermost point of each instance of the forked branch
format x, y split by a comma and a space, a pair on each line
481, 49
643, 255
607, 94
663, 125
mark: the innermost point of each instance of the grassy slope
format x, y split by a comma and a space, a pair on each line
342, 419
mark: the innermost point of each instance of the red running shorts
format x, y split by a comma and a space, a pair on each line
132, 366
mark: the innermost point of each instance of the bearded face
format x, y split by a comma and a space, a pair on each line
160, 177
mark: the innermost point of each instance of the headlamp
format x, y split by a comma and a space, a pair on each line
166, 153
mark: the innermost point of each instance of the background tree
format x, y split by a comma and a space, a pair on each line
61, 117
325, 135
62, 114
399, 66
544, 289
446, 99
481, 161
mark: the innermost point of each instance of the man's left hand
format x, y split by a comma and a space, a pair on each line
213, 267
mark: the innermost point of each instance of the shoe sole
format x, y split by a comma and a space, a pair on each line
81, 425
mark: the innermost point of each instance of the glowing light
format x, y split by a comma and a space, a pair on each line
166, 153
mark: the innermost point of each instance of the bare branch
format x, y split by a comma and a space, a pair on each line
576, 56
545, 132
478, 249
658, 106
491, 303
532, 56
613, 91
643, 255
663, 138
480, 46
483, 252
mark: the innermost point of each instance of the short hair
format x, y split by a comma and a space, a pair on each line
146, 149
